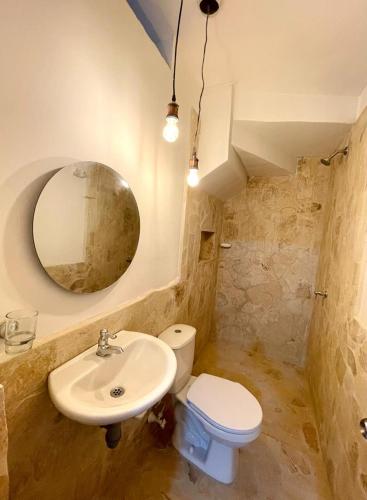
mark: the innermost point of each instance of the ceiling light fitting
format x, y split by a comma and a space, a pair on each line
171, 131
209, 7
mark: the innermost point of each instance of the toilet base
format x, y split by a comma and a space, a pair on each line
217, 460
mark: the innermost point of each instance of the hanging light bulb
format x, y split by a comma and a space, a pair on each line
171, 131
208, 7
193, 178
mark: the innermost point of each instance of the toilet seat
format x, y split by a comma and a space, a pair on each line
225, 435
226, 405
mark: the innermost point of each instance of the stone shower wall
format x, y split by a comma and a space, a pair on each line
337, 359
266, 280
51, 456
204, 213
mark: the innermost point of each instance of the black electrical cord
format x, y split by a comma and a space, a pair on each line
175, 57
203, 83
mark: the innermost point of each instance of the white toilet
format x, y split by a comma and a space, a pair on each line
215, 417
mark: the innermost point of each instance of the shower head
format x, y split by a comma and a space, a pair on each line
327, 161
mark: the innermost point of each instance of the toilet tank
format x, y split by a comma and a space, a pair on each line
181, 339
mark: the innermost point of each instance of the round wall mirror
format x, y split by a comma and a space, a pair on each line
86, 227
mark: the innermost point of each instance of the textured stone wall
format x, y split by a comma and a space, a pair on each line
51, 456
205, 213
113, 228
266, 280
337, 360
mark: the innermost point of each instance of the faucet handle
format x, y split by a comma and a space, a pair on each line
105, 334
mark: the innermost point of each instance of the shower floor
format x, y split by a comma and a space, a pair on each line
284, 463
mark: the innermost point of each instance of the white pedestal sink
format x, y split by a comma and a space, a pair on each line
101, 391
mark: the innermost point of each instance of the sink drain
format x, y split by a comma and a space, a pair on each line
117, 392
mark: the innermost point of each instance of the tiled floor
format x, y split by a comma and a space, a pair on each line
284, 463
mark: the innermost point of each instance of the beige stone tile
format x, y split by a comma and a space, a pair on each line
266, 280
336, 361
283, 463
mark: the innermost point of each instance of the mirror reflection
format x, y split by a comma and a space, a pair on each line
86, 227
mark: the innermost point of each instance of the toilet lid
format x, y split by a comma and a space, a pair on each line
225, 404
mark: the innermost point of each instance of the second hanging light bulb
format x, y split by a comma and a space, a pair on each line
193, 178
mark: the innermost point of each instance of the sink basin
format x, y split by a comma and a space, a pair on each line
100, 391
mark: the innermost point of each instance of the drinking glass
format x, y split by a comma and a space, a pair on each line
20, 330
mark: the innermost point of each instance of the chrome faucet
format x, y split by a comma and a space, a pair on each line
104, 348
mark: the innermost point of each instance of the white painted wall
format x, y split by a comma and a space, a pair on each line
245, 139
362, 102
221, 171
215, 128
273, 107
59, 227
226, 180
82, 81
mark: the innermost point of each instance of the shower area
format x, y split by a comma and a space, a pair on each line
266, 278
289, 324
291, 291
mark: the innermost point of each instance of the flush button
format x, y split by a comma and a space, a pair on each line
178, 331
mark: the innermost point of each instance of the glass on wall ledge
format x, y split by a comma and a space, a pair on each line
20, 330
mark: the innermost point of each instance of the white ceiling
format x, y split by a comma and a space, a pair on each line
281, 143
299, 69
285, 46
